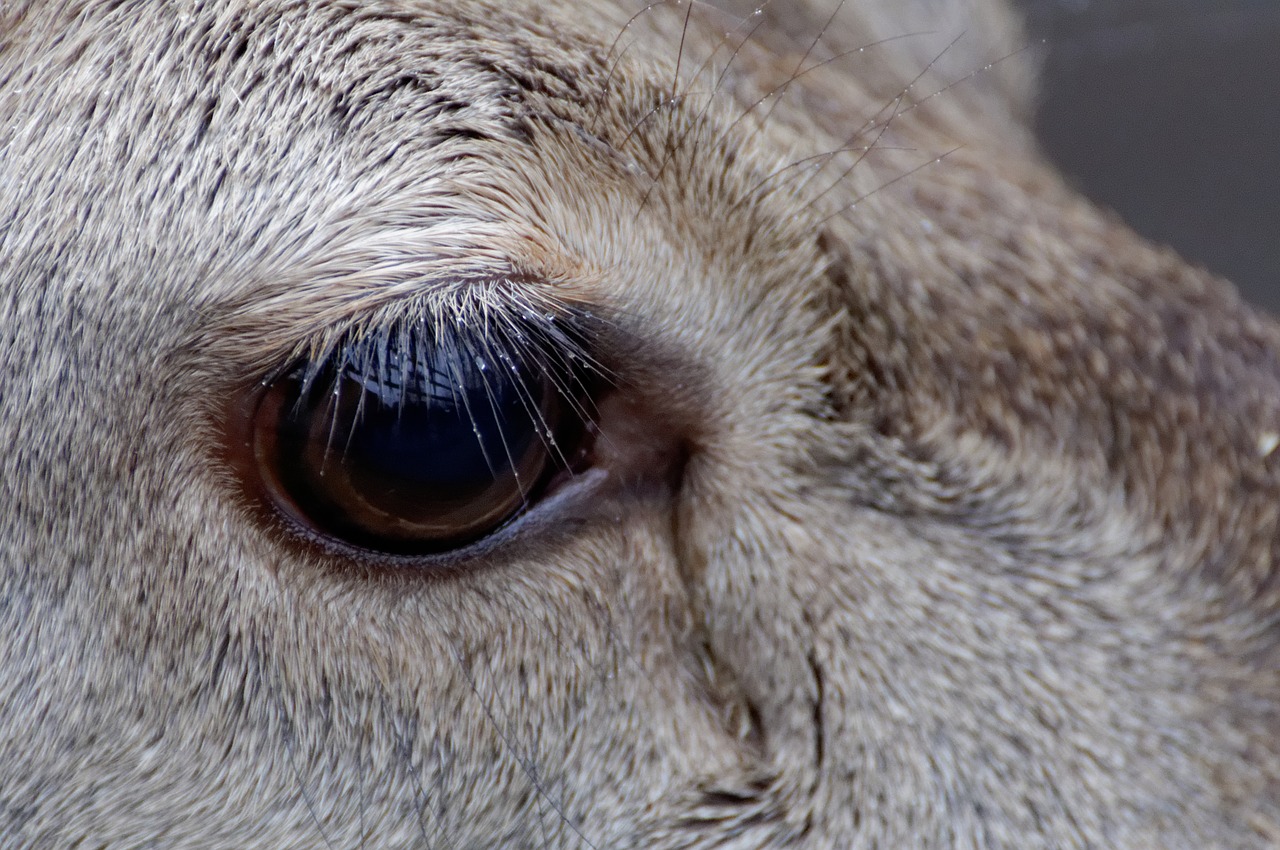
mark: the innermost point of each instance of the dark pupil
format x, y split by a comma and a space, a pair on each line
441, 437
405, 446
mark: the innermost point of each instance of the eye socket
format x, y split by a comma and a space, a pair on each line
415, 441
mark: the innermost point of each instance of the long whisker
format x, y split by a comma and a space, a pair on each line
526, 765
854, 203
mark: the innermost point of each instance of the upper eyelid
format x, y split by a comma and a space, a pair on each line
452, 304
263, 332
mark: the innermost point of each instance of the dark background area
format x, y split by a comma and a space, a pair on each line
1168, 111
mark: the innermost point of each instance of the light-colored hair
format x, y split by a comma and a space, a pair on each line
928, 506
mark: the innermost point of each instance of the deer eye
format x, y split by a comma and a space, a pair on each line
412, 442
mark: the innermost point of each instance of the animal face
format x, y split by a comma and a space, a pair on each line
495, 424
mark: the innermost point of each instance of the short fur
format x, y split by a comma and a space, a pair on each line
937, 509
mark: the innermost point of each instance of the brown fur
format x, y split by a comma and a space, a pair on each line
936, 510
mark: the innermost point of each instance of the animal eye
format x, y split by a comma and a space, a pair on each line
411, 442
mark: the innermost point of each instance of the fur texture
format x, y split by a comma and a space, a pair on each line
933, 508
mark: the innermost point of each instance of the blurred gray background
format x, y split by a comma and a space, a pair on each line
1168, 111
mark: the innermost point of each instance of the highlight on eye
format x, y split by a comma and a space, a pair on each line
423, 437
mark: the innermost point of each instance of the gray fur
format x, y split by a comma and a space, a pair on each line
938, 509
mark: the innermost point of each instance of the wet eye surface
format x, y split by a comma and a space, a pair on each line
416, 440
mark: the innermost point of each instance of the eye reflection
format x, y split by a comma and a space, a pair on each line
410, 443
